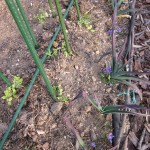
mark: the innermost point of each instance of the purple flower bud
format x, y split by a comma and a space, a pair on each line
119, 29
107, 70
110, 137
93, 144
109, 31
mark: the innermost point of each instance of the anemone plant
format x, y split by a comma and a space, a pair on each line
125, 109
116, 72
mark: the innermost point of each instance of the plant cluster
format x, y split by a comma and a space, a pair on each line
55, 52
41, 16
59, 93
11, 91
52, 53
117, 71
64, 50
85, 21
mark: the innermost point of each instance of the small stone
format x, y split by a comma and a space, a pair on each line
53, 125
55, 44
8, 71
93, 78
93, 135
34, 138
56, 107
45, 146
108, 90
40, 132
88, 109
76, 67
97, 52
63, 11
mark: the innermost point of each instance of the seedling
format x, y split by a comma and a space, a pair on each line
64, 50
59, 94
11, 91
85, 21
41, 17
52, 53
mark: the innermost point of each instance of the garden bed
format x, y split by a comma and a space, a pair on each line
41, 123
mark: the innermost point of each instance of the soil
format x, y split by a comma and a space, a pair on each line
41, 124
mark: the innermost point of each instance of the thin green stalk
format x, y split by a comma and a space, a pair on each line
51, 7
77, 8
5, 79
27, 24
24, 33
63, 25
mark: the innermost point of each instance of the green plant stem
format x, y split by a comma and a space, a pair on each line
77, 8
5, 79
24, 33
23, 100
27, 24
51, 7
63, 25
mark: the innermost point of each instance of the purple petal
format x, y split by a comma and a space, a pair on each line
93, 144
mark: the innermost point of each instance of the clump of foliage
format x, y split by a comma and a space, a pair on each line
52, 53
85, 21
41, 16
59, 93
117, 71
11, 91
64, 50
127, 109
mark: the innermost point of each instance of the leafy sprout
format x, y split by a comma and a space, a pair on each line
41, 17
59, 93
64, 50
52, 53
85, 21
11, 91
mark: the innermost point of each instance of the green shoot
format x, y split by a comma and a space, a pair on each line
11, 91
52, 53
85, 21
59, 94
41, 17
64, 50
